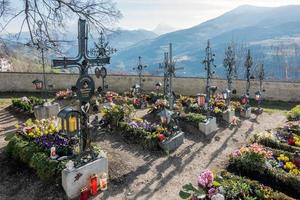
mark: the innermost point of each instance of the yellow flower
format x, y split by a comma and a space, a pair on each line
295, 172
289, 166
283, 158
17, 126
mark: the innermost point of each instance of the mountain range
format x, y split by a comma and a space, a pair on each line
272, 35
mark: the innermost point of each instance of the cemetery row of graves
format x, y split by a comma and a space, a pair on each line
58, 143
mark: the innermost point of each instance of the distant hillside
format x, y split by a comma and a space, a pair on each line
246, 26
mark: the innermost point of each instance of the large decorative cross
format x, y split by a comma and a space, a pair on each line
248, 65
85, 84
82, 60
208, 65
139, 70
170, 73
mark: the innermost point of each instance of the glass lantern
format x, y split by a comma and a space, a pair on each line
165, 116
244, 100
158, 85
201, 99
70, 121
38, 84
226, 94
258, 96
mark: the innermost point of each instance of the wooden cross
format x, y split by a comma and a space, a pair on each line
82, 60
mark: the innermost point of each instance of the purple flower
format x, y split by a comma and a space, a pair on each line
280, 164
212, 191
205, 179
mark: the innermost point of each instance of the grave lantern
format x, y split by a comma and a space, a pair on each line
165, 116
70, 121
158, 86
38, 84
244, 100
297, 158
257, 96
226, 94
201, 99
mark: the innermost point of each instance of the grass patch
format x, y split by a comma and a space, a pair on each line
4, 102
275, 106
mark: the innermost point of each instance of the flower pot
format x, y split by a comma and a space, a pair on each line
209, 126
246, 113
228, 115
172, 143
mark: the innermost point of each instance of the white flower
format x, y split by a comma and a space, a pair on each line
218, 197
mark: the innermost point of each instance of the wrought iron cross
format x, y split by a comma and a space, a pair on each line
229, 64
82, 60
164, 67
208, 65
248, 65
170, 73
139, 70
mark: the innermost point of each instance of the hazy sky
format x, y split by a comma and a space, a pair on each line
148, 14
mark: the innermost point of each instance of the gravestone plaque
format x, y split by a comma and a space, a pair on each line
86, 88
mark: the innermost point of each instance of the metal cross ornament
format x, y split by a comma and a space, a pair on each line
164, 66
170, 73
140, 68
208, 66
85, 85
248, 65
83, 61
42, 44
229, 64
102, 50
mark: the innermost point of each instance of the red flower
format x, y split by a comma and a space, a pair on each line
291, 141
161, 137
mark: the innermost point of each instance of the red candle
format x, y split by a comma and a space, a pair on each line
93, 185
84, 193
109, 98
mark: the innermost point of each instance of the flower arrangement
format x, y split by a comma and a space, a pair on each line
294, 113
37, 128
253, 148
63, 94
284, 162
225, 185
194, 117
117, 113
27, 103
48, 141
278, 139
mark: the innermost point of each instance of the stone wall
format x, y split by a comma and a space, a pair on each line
275, 90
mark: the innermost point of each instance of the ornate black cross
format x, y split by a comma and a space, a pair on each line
170, 73
229, 64
248, 65
208, 66
140, 68
85, 84
82, 60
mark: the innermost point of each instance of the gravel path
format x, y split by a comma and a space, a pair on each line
136, 173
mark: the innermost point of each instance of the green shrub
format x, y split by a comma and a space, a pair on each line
254, 166
31, 154
45, 168
146, 138
294, 113
196, 117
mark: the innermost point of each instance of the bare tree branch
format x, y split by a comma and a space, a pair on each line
56, 14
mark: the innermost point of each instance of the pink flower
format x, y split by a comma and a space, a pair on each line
205, 179
212, 192
236, 153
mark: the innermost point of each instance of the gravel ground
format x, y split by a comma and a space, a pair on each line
135, 173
